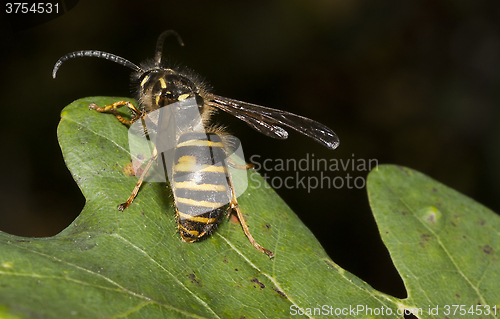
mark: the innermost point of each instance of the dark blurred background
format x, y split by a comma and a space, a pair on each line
414, 83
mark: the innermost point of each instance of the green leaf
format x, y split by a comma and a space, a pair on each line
132, 264
444, 245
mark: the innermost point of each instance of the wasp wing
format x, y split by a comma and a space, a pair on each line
268, 121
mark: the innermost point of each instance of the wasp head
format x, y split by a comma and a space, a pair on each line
159, 87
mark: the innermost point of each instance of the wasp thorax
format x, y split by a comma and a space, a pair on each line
163, 87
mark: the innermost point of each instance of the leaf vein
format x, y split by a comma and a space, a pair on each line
168, 272
271, 278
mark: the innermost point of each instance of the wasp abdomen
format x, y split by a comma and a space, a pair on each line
200, 184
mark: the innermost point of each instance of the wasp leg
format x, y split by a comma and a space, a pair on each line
235, 207
129, 201
232, 163
113, 110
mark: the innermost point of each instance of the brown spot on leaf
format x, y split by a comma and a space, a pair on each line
487, 249
261, 285
425, 238
431, 218
129, 170
193, 279
281, 293
234, 219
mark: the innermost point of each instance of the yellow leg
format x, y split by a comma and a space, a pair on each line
235, 207
113, 110
129, 201
232, 163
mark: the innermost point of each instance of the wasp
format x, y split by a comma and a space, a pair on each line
199, 177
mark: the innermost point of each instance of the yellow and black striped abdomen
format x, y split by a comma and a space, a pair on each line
200, 184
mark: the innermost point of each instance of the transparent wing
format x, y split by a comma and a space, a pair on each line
268, 121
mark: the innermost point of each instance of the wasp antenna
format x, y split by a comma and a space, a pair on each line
94, 54
159, 44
